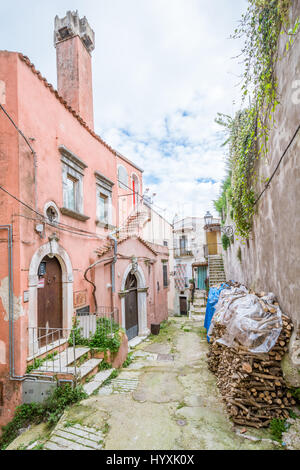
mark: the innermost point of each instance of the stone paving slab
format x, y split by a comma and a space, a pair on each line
171, 405
145, 355
97, 381
120, 385
75, 437
59, 443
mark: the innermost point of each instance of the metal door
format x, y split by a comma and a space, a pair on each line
131, 307
49, 301
183, 305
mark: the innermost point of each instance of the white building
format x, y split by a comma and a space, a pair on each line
192, 244
158, 230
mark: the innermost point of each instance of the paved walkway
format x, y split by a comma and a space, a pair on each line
165, 400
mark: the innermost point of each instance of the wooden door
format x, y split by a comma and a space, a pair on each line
131, 307
212, 243
202, 275
49, 301
183, 305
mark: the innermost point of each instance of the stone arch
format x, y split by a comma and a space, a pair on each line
51, 248
142, 299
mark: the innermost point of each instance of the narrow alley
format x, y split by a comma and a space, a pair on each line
165, 399
149, 221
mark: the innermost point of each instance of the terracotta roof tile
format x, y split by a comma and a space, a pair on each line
64, 103
100, 252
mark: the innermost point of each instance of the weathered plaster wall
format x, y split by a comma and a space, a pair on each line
155, 299
270, 259
158, 230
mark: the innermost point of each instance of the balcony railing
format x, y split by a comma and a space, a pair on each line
181, 252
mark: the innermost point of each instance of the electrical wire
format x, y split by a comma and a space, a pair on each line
278, 164
142, 198
16, 127
56, 225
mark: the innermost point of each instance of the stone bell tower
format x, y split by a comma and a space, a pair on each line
74, 40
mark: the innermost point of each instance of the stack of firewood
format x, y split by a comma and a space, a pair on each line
252, 385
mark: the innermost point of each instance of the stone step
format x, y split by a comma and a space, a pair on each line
97, 381
88, 368
135, 342
75, 437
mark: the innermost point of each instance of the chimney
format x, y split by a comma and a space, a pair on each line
74, 40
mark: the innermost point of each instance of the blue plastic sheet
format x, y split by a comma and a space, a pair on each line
213, 298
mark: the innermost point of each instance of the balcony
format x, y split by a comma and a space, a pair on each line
188, 224
183, 252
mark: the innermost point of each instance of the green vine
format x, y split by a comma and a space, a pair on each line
248, 131
225, 242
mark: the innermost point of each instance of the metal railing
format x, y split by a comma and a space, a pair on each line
56, 350
178, 252
106, 320
49, 351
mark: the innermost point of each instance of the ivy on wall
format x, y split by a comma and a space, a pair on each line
248, 131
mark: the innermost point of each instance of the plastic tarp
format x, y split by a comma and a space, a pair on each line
253, 322
213, 298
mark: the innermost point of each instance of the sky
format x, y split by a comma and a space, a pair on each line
162, 70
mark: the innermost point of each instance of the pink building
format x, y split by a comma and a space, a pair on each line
67, 244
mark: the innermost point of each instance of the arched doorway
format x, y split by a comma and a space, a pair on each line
131, 307
49, 301
50, 249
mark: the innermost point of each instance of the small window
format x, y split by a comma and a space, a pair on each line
52, 214
166, 243
71, 193
72, 176
104, 199
122, 177
103, 208
165, 275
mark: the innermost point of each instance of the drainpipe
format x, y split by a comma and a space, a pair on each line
12, 375
113, 262
113, 267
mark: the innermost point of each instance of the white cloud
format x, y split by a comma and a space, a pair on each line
162, 70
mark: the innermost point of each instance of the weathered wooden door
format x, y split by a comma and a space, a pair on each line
183, 305
49, 301
202, 275
212, 243
131, 307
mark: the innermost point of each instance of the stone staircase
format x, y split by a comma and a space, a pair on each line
134, 224
198, 308
71, 364
216, 270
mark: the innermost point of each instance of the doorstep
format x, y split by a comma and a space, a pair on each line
134, 342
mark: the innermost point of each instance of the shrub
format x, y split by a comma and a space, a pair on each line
35, 413
106, 337
225, 241
277, 428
